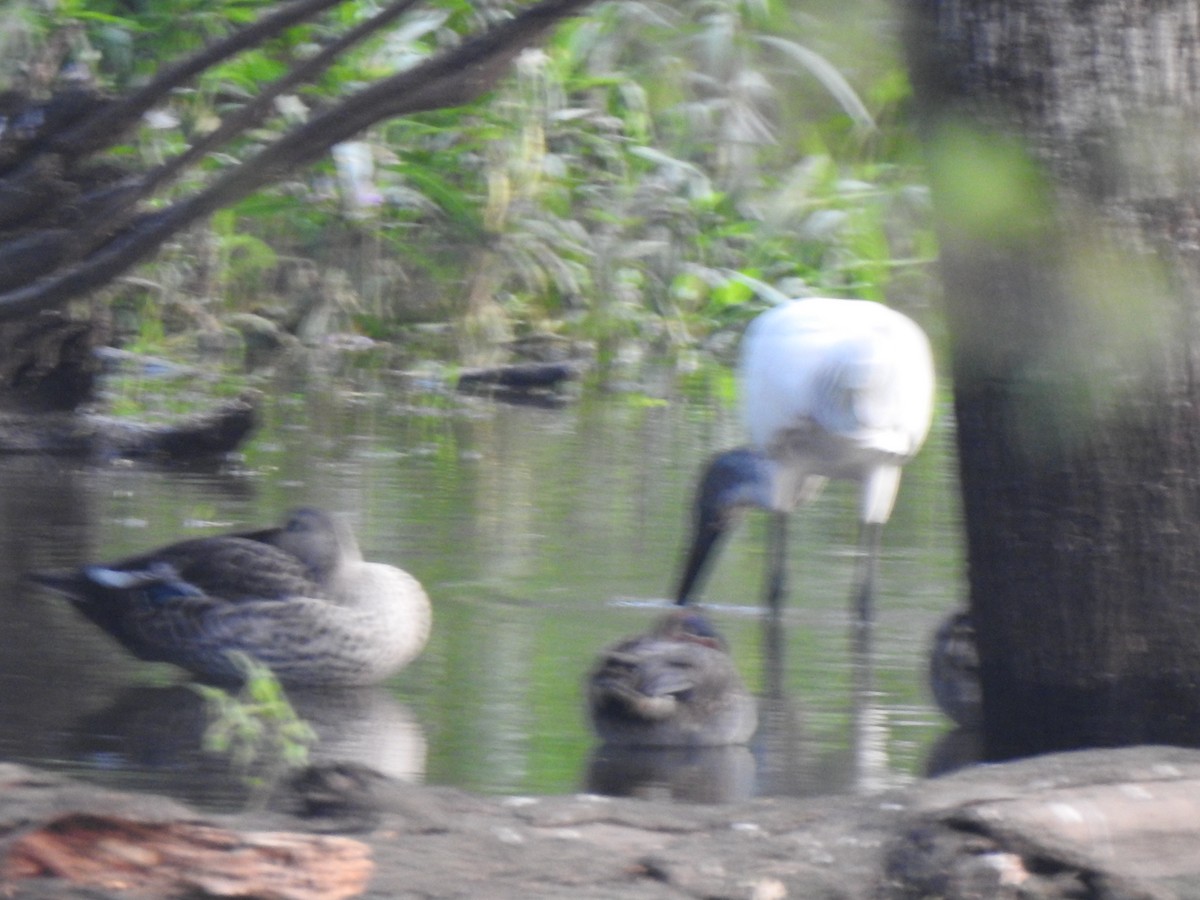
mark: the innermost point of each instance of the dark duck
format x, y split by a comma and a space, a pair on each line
673, 686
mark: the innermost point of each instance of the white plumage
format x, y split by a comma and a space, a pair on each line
829, 389
837, 389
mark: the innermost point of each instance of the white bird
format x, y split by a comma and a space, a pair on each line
829, 389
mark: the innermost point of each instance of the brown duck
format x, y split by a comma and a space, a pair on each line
298, 598
673, 686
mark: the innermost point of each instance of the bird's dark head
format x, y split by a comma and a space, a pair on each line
732, 481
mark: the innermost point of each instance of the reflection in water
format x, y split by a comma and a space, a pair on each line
154, 737
792, 763
538, 534
683, 774
784, 762
868, 734
787, 762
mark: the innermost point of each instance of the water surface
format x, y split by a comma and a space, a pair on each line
541, 535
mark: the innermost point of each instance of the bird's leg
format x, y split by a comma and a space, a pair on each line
776, 560
868, 563
772, 652
878, 497
868, 567
870, 753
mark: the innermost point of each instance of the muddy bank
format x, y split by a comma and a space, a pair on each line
1111, 824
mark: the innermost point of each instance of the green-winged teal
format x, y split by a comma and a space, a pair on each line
298, 598
674, 686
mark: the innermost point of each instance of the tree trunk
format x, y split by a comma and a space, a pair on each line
1062, 143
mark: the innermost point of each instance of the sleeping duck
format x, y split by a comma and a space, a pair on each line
674, 686
298, 598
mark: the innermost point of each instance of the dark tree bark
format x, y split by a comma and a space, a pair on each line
1063, 138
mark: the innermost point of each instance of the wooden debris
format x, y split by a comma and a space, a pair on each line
200, 436
521, 376
164, 859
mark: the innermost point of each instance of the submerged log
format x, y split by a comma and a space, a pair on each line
199, 436
520, 376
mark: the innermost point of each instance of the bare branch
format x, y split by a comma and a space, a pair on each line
261, 106
107, 127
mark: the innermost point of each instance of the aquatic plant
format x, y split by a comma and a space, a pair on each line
257, 728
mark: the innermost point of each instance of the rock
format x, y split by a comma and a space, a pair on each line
1114, 824
1103, 823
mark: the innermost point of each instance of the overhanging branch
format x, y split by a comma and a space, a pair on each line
451, 78
108, 127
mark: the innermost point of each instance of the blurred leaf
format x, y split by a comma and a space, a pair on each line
831, 79
734, 292
989, 185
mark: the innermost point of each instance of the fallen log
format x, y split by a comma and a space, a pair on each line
165, 859
69, 839
521, 376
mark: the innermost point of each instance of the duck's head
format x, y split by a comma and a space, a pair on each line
322, 542
686, 624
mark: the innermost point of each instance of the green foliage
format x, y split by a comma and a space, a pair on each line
243, 259
176, 391
993, 190
651, 174
258, 729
